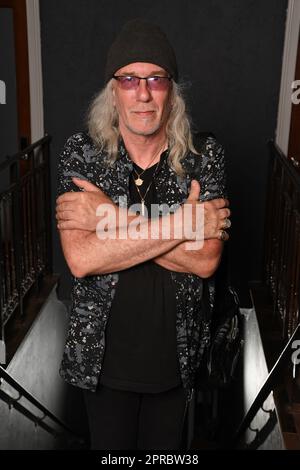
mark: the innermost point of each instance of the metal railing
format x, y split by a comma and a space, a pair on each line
274, 379
38, 420
25, 226
281, 271
282, 240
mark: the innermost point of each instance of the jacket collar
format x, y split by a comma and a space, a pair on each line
127, 164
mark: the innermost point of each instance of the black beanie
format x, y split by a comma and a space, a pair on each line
140, 41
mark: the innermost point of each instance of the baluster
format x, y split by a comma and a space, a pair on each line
285, 237
8, 250
33, 204
25, 229
47, 190
17, 232
25, 226
289, 263
282, 260
3, 294
29, 231
40, 214
295, 273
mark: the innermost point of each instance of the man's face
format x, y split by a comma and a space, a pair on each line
142, 111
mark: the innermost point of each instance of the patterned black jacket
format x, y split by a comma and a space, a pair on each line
92, 296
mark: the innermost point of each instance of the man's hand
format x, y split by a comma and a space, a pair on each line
77, 210
215, 213
205, 260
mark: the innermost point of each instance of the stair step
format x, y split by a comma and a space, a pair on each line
291, 441
296, 417
289, 425
293, 391
286, 419
294, 409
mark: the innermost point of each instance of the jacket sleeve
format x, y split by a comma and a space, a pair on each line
210, 170
71, 163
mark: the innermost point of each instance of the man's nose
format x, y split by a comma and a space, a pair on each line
143, 92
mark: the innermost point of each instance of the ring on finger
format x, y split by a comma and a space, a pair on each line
227, 223
223, 235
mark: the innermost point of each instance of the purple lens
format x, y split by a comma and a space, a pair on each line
129, 83
158, 83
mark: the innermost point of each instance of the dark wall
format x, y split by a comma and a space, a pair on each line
229, 55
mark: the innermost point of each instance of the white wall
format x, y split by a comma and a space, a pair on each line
35, 365
255, 373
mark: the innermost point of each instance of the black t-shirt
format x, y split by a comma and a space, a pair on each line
140, 347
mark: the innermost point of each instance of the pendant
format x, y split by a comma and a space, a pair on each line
139, 181
143, 208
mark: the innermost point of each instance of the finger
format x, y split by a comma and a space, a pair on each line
223, 202
70, 196
69, 225
225, 223
65, 225
86, 185
224, 213
219, 203
68, 206
222, 235
64, 215
194, 191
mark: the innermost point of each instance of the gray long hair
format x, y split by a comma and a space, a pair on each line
102, 121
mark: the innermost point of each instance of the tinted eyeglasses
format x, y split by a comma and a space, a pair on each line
131, 82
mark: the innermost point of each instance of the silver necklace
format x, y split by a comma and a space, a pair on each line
143, 197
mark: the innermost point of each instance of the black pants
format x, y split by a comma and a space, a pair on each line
128, 420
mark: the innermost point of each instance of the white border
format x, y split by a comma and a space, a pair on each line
288, 74
35, 69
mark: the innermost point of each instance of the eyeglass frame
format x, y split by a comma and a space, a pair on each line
117, 77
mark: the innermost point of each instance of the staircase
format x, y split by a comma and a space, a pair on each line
286, 393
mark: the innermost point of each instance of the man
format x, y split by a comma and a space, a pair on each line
136, 333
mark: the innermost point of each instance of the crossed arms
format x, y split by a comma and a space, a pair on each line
86, 254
